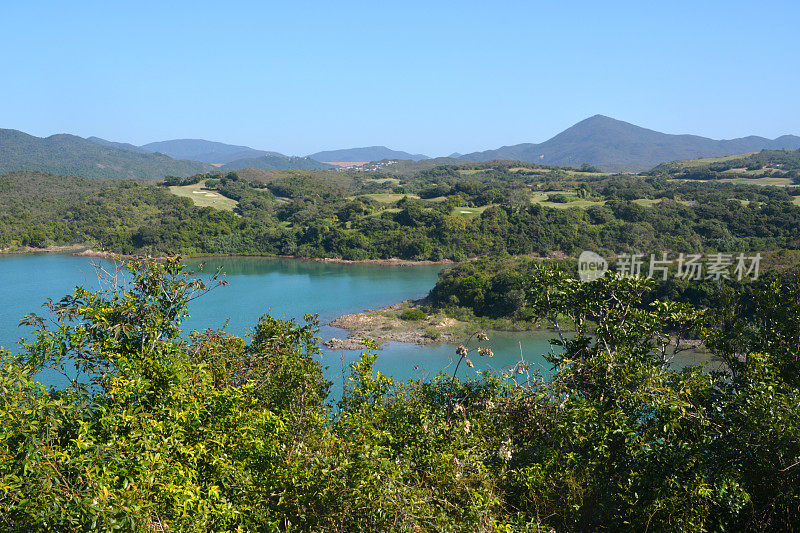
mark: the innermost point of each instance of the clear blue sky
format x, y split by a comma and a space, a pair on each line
430, 77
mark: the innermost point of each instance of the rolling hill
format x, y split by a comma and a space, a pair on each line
370, 153
205, 151
615, 145
124, 146
76, 156
277, 162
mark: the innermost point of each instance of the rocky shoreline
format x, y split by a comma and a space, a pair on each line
22, 250
385, 324
394, 323
85, 251
388, 324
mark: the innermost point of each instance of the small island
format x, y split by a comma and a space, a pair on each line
401, 322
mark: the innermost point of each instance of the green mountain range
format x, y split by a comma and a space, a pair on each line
600, 141
76, 156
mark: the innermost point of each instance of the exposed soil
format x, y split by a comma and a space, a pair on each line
385, 324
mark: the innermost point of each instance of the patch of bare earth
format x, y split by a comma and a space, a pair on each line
384, 325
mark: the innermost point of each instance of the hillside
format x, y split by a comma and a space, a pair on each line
277, 162
406, 167
615, 145
767, 167
76, 156
205, 151
124, 146
370, 153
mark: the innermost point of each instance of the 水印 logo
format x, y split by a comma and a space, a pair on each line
591, 266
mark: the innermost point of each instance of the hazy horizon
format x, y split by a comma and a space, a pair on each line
421, 78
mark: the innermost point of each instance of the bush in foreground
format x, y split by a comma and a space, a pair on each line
217, 433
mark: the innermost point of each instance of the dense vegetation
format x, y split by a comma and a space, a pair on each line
763, 164
441, 213
38, 210
160, 432
276, 162
504, 287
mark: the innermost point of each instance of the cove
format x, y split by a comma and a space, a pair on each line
284, 288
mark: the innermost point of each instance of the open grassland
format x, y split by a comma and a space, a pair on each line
777, 182
470, 171
203, 197
766, 181
650, 202
470, 212
392, 181
709, 160
542, 199
390, 198
387, 198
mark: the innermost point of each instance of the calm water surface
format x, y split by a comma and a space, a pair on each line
284, 288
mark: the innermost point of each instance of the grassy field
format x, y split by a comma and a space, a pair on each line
541, 199
649, 202
470, 171
470, 212
203, 197
709, 160
531, 170
393, 181
777, 182
387, 198
390, 198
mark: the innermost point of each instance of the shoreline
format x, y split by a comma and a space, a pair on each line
86, 251
387, 325
27, 250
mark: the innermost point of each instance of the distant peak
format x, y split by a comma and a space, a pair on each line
598, 119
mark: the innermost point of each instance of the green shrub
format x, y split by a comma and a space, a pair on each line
211, 433
413, 314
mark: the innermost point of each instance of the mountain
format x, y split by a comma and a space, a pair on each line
123, 146
370, 153
277, 162
229, 156
615, 145
76, 156
205, 151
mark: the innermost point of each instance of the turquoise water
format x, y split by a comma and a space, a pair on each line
284, 288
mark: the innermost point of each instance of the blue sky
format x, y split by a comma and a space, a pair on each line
430, 77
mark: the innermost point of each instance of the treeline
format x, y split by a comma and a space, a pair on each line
772, 163
309, 215
506, 287
215, 433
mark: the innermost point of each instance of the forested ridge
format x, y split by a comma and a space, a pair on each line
70, 154
446, 212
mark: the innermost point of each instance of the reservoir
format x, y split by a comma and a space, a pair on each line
284, 288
